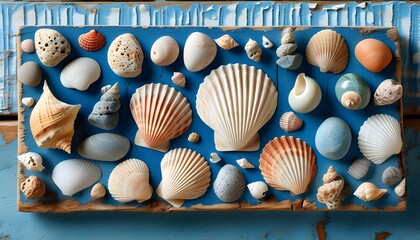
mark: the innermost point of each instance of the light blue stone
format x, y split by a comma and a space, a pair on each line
333, 138
229, 184
104, 147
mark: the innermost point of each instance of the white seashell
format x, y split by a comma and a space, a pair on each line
32, 161
125, 56
288, 35
185, 175
129, 181
51, 47
380, 137
288, 163
27, 46
28, 101
193, 137
400, 188
214, 157
164, 51
253, 50
161, 114
236, 101
74, 175
104, 147
178, 79
199, 51
368, 191
244, 163
305, 95
258, 189
80, 73
289, 122
226, 42
391, 176
359, 168
98, 191
388, 92
266, 42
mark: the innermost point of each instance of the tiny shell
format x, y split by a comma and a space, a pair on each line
266, 42
178, 79
373, 54
333, 138
305, 95
164, 51
30, 74
331, 192
226, 42
352, 91
125, 56
253, 50
244, 163
391, 176
28, 101
51, 47
28, 46
105, 112
229, 184
98, 191
289, 122
258, 189
400, 188
214, 157
33, 187
91, 41
368, 192
193, 137
199, 51
80, 73
104, 147
359, 168
32, 161
388, 92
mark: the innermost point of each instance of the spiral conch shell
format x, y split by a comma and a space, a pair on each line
388, 92
91, 41
331, 192
226, 42
52, 122
253, 50
368, 192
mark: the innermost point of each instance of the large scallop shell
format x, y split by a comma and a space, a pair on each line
129, 181
92, 41
161, 113
236, 101
74, 175
185, 175
288, 163
368, 192
328, 50
52, 121
380, 137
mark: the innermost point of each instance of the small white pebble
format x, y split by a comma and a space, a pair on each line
244, 163
28, 46
28, 101
98, 191
214, 157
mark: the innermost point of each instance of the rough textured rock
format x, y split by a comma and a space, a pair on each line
51, 47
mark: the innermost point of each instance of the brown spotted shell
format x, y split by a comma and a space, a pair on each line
92, 41
388, 92
289, 122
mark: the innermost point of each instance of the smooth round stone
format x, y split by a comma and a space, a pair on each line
27, 46
80, 73
229, 184
164, 51
290, 62
30, 74
199, 51
286, 49
104, 147
333, 138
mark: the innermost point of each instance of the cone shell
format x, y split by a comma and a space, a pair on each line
288, 163
380, 137
92, 41
359, 168
388, 92
185, 175
236, 101
368, 192
328, 50
52, 122
161, 113
289, 122
129, 181
226, 42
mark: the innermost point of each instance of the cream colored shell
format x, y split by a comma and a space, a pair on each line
400, 188
178, 79
368, 192
388, 92
164, 51
305, 95
258, 189
289, 122
199, 51
98, 191
331, 192
51, 47
253, 50
226, 42
244, 163
359, 168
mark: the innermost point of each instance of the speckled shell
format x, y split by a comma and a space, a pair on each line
305, 95
52, 122
369, 192
400, 188
161, 113
391, 176
373, 54
33, 187
380, 137
51, 47
164, 51
352, 91
258, 189
104, 147
185, 175
331, 192
199, 51
31, 161
289, 122
125, 56
27, 46
92, 41
226, 42
236, 101
328, 50
388, 92
359, 168
129, 181
288, 163
178, 79
253, 50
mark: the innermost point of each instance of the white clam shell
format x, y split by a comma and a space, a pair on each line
31, 161
199, 51
253, 50
80, 73
400, 188
380, 137
129, 181
104, 147
74, 175
178, 79
28, 101
368, 192
164, 51
244, 163
266, 42
258, 189
391, 176
388, 92
236, 101
214, 157
305, 95
359, 168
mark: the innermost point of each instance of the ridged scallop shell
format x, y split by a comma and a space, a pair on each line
380, 137
92, 41
129, 181
328, 51
388, 92
288, 163
253, 50
185, 175
368, 192
161, 113
236, 101
74, 175
331, 192
400, 188
52, 121
226, 42
31, 161
359, 168
289, 122
391, 176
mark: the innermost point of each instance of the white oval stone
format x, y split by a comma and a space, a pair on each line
51, 47
125, 56
28, 101
164, 51
199, 51
80, 73
104, 147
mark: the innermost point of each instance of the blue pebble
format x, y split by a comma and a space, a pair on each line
333, 138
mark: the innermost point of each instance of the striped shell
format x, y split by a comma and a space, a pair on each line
359, 168
92, 41
400, 188
391, 176
289, 122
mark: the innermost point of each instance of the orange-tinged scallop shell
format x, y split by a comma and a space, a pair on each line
373, 54
92, 41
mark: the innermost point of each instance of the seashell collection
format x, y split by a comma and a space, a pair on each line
115, 107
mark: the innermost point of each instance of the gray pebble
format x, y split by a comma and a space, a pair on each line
290, 62
286, 49
229, 184
30, 74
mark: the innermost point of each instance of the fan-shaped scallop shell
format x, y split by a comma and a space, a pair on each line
74, 175
92, 41
288, 163
328, 50
185, 175
368, 192
380, 137
236, 101
359, 168
289, 122
52, 121
226, 42
129, 181
161, 113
